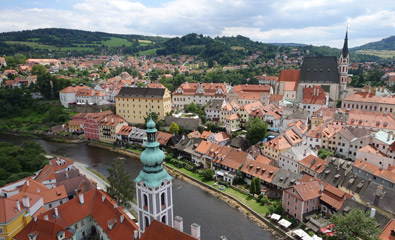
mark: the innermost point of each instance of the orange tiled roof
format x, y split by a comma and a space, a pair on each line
125, 130
261, 170
388, 174
308, 190
71, 89
205, 134
368, 97
279, 142
387, 233
111, 121
314, 163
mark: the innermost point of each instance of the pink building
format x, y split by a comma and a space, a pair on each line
301, 199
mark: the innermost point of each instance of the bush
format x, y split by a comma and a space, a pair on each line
207, 174
223, 183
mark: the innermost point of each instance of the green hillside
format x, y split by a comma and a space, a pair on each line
387, 44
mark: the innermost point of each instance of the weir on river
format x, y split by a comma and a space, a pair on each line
194, 205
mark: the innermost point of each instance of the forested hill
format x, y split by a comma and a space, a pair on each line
55, 43
384, 44
58, 42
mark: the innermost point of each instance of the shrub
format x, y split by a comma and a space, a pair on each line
207, 174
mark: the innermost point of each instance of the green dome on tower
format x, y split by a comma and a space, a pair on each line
152, 157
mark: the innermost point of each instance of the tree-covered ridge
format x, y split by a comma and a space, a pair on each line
384, 44
56, 43
17, 162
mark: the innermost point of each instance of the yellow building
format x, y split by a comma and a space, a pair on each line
109, 126
232, 123
13, 218
330, 136
133, 104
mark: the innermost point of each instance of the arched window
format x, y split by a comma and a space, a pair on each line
145, 201
164, 219
146, 220
163, 200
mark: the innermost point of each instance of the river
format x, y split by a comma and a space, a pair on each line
194, 205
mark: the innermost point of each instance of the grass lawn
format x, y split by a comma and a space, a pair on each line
101, 176
242, 197
134, 150
237, 48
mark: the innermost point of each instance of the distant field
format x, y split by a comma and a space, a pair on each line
116, 42
148, 52
144, 42
31, 44
237, 48
379, 53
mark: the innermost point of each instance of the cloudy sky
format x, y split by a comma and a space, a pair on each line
317, 22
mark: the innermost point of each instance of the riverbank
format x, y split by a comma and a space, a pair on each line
233, 202
230, 200
111, 148
50, 137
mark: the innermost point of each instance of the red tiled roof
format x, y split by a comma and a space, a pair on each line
46, 230
314, 95
159, 231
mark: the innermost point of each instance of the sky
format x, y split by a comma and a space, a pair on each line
317, 22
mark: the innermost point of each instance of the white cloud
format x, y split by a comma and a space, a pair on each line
319, 22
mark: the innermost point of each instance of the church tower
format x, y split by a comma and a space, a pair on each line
153, 184
344, 62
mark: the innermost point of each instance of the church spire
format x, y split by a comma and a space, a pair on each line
345, 45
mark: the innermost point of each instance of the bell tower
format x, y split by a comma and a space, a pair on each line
153, 184
344, 62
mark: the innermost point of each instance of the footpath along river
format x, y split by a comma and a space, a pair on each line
194, 205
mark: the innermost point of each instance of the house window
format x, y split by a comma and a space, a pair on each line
1, 229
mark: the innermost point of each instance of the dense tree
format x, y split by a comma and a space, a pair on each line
256, 130
355, 225
19, 162
121, 188
324, 153
239, 178
174, 128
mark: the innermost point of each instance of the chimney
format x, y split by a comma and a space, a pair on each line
105, 119
372, 212
27, 183
136, 234
121, 218
179, 224
318, 92
112, 120
379, 191
195, 231
26, 202
35, 218
56, 212
102, 198
304, 152
81, 198
67, 174
46, 217
18, 205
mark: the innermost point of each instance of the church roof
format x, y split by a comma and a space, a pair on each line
319, 70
